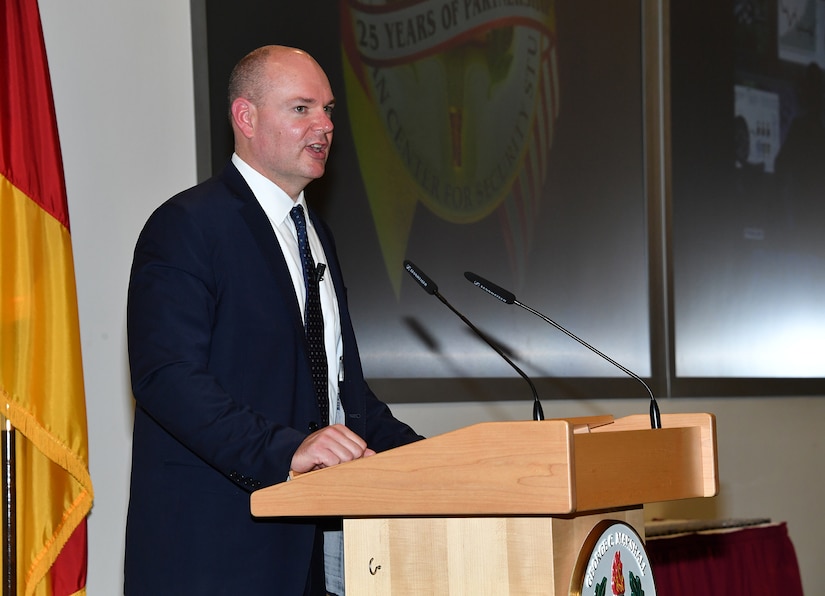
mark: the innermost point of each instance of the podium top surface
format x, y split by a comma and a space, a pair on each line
551, 467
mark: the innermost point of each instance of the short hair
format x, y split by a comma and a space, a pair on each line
246, 79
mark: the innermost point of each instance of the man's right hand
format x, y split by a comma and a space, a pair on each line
327, 447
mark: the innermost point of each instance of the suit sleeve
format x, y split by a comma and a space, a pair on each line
174, 293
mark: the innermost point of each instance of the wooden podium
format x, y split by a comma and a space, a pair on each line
498, 508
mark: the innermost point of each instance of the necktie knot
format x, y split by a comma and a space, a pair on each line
297, 215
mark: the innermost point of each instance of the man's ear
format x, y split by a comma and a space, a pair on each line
243, 116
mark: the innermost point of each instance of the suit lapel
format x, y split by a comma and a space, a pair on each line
261, 230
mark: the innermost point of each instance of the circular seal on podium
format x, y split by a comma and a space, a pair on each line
612, 561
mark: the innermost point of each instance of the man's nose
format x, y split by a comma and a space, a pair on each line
325, 124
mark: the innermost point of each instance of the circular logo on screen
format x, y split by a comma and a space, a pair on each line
612, 561
464, 95
453, 107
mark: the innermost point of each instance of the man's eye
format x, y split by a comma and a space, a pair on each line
329, 110
300, 109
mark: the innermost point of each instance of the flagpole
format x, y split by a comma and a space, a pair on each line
9, 509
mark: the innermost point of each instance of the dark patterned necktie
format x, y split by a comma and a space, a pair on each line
313, 317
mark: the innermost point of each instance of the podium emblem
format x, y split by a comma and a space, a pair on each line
612, 562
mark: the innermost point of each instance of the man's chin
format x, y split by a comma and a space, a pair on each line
316, 171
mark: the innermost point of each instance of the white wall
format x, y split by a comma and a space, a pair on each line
122, 81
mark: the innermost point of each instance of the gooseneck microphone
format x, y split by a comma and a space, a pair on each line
429, 286
510, 298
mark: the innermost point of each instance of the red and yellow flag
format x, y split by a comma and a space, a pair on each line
41, 377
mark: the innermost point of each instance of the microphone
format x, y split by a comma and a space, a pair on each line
429, 286
510, 298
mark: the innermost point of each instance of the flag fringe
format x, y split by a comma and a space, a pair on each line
63, 456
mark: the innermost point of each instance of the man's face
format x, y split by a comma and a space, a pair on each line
293, 125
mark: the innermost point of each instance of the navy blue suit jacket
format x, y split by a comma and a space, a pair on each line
224, 396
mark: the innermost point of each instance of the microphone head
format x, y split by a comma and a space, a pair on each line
419, 276
495, 291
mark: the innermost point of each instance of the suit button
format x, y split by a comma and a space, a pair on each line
313, 426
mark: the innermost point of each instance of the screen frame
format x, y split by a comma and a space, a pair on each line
655, 64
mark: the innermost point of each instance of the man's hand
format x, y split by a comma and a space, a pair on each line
329, 446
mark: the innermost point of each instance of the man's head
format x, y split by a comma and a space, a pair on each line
280, 105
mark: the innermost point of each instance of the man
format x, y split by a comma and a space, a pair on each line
219, 355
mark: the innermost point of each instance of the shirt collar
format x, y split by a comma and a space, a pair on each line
275, 202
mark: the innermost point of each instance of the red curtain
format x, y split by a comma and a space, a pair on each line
754, 561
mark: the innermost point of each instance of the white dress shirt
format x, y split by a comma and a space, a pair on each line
277, 205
